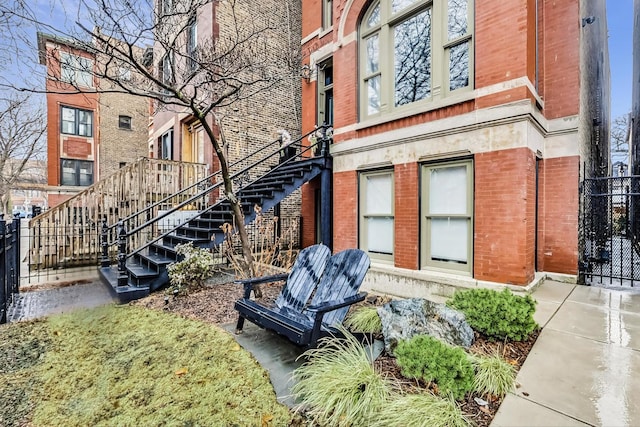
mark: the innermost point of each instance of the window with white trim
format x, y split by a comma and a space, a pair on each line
192, 44
76, 172
74, 121
325, 93
413, 52
376, 206
76, 70
166, 69
327, 14
447, 216
166, 145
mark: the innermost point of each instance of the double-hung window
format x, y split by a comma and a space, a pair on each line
167, 69
327, 14
447, 216
325, 93
76, 70
166, 145
75, 121
377, 214
76, 172
192, 44
413, 52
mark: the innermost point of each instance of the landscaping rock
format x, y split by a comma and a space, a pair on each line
402, 319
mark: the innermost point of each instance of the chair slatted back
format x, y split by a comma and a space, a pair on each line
304, 277
342, 278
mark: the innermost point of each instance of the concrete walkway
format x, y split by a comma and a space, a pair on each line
584, 368
34, 304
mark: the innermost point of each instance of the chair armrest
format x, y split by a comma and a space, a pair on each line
248, 283
336, 304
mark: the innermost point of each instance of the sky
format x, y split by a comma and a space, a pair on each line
620, 25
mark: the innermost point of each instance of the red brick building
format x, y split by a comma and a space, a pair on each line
458, 136
89, 134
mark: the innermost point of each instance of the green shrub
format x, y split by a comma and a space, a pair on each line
498, 315
421, 410
493, 375
339, 383
364, 319
190, 273
427, 358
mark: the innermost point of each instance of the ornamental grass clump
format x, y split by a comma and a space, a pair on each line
364, 319
427, 358
498, 315
190, 274
421, 410
494, 375
339, 384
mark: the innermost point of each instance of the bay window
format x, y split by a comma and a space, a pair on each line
413, 52
377, 214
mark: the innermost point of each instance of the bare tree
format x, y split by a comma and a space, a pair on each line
203, 79
22, 127
620, 138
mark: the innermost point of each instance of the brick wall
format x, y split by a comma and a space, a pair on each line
345, 210
121, 145
561, 41
308, 195
558, 215
504, 216
54, 102
406, 216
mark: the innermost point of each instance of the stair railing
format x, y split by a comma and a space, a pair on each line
122, 234
69, 233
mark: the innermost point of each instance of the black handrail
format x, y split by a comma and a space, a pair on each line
203, 180
213, 187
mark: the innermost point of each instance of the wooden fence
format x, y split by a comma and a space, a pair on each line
69, 234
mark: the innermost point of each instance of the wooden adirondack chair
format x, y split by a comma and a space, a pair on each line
337, 290
300, 282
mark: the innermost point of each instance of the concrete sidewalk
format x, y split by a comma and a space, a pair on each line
583, 369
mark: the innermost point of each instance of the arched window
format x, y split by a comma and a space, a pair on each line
414, 52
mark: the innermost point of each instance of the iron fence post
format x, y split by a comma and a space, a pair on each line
15, 261
4, 289
104, 242
122, 255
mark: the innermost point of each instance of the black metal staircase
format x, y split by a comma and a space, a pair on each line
267, 180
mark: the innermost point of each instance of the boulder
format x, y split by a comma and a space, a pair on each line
402, 319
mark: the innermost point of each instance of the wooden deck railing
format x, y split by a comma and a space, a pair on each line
69, 234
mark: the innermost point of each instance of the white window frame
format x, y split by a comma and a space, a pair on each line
324, 90
77, 167
441, 47
166, 145
327, 14
192, 44
77, 129
364, 215
426, 260
76, 70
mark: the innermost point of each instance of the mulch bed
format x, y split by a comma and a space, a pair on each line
214, 304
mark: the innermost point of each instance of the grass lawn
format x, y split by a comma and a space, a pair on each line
130, 366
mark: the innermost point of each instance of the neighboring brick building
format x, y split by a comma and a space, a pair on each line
460, 134
246, 124
89, 134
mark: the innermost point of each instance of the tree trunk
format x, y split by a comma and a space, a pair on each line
235, 203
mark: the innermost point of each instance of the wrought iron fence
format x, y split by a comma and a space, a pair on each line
9, 263
611, 231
